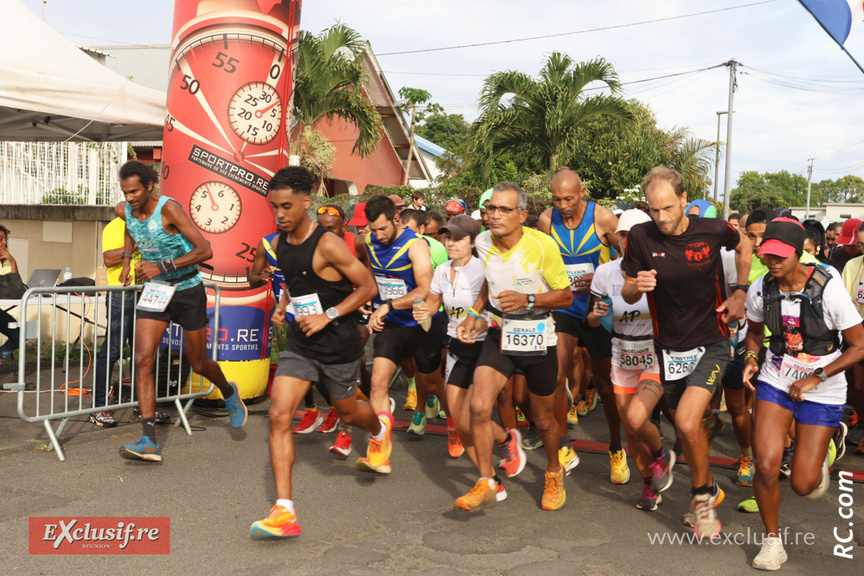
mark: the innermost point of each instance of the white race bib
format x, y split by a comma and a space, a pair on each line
574, 271
155, 296
306, 305
391, 288
678, 365
794, 369
860, 297
636, 354
524, 337
448, 367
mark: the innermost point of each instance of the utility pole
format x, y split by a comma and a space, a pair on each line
809, 179
43, 9
732, 83
717, 156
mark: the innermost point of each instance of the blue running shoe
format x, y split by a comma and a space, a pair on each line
236, 408
144, 449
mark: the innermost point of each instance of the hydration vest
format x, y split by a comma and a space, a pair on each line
818, 340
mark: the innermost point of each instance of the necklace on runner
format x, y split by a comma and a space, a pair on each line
308, 234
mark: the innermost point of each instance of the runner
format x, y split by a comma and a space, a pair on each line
802, 376
523, 269
171, 247
323, 343
666, 259
400, 262
581, 230
635, 372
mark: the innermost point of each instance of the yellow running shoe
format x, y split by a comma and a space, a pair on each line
620, 470
554, 495
568, 458
581, 408
573, 417
481, 495
279, 524
591, 399
411, 401
378, 454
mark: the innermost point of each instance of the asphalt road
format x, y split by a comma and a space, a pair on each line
214, 484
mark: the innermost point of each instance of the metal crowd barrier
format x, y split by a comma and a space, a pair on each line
74, 315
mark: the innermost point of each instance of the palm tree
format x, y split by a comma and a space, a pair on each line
693, 158
330, 83
519, 111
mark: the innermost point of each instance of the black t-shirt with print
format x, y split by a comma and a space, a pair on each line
690, 280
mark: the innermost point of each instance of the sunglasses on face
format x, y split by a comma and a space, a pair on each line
329, 210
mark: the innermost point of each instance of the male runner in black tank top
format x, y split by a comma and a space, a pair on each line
323, 343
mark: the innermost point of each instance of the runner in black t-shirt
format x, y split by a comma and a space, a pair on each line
676, 261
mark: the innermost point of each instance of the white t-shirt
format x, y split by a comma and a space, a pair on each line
630, 319
461, 294
839, 313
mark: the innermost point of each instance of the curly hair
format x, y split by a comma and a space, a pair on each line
296, 178
146, 174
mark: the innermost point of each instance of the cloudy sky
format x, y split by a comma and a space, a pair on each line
797, 91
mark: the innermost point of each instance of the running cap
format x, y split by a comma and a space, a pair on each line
456, 206
476, 215
485, 197
849, 235
630, 218
359, 217
397, 201
783, 237
461, 226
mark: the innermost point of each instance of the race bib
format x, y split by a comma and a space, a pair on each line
523, 337
678, 365
448, 366
636, 354
794, 369
574, 271
155, 296
306, 305
860, 297
391, 288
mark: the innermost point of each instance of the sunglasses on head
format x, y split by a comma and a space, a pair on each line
329, 210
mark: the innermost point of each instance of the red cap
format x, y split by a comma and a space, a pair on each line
849, 235
359, 217
783, 236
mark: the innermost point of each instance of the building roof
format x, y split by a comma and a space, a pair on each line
428, 146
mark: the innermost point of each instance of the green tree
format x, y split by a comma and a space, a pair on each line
519, 112
450, 131
330, 83
848, 189
754, 190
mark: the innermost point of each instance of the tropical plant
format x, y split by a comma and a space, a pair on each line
693, 158
330, 84
519, 111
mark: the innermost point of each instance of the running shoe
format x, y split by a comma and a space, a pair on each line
236, 408
480, 496
312, 419
707, 524
103, 419
411, 401
331, 424
650, 499
786, 465
570, 400
378, 454
825, 479
554, 495
418, 424
572, 417
342, 444
771, 556
723, 402
715, 429
661, 471
749, 505
500, 492
279, 524
839, 440
454, 444
620, 473
746, 470
717, 496
521, 422
582, 407
855, 434
144, 449
513, 456
568, 458
591, 399
853, 419
532, 439
433, 407
158, 415
392, 402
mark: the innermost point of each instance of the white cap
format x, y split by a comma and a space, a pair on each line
476, 215
630, 218
617, 211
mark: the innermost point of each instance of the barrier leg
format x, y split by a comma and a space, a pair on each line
182, 412
55, 443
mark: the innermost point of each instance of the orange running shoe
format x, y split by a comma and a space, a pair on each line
481, 495
378, 454
554, 495
279, 524
454, 444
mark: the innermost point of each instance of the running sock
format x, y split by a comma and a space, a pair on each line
287, 504
787, 451
149, 425
615, 446
646, 481
748, 451
563, 442
704, 489
227, 391
496, 479
658, 453
382, 432
412, 384
450, 425
309, 400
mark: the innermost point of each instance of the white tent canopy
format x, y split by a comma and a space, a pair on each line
50, 90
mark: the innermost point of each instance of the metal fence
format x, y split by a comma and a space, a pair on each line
57, 354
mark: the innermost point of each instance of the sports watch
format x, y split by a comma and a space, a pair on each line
820, 372
744, 287
332, 313
531, 299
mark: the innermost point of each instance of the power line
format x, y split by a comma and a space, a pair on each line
560, 34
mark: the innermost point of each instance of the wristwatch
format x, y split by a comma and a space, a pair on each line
332, 313
744, 287
531, 299
820, 372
